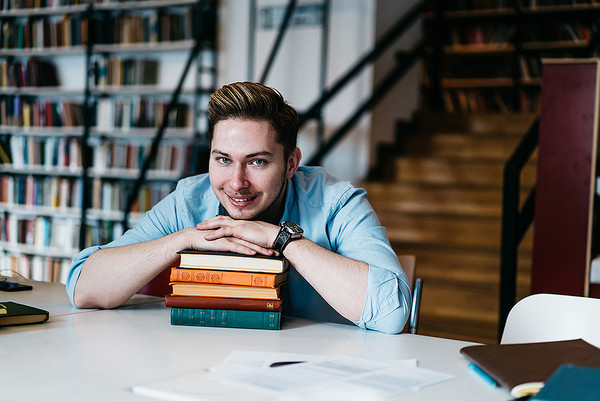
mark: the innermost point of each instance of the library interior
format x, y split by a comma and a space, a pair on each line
472, 126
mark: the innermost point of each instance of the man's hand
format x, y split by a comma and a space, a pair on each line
208, 240
258, 233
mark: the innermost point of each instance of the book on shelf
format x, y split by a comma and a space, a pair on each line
193, 259
226, 318
13, 313
228, 277
227, 291
512, 365
197, 302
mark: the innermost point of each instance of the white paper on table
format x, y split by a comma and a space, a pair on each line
345, 378
243, 361
351, 375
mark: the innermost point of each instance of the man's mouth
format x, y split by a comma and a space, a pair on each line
241, 201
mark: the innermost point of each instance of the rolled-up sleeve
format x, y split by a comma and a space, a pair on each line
359, 235
156, 223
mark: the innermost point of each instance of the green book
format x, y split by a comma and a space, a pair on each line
226, 318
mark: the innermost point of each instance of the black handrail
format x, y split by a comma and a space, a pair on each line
289, 11
133, 194
380, 47
403, 64
87, 123
514, 222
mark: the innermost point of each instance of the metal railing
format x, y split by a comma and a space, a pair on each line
515, 221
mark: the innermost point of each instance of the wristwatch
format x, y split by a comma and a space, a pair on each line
288, 231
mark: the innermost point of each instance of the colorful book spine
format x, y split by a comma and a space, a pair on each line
226, 277
226, 318
264, 305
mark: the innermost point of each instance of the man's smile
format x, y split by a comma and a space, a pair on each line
241, 200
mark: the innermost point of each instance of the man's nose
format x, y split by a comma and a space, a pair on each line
239, 180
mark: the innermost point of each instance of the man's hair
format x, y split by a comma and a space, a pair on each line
254, 101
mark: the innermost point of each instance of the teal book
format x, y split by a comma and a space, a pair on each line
226, 318
571, 383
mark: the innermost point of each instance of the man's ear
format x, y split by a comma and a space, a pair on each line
293, 162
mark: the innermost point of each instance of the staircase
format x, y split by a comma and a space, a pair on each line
441, 200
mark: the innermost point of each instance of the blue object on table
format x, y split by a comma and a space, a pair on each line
483, 375
571, 383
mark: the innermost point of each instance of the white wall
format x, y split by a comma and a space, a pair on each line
295, 72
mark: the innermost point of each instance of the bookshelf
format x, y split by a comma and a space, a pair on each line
484, 56
65, 179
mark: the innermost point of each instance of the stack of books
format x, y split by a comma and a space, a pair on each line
227, 290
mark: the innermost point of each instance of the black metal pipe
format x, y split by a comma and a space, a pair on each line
514, 223
324, 62
282, 30
380, 91
160, 133
380, 46
87, 123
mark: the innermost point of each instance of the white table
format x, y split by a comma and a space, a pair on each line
101, 354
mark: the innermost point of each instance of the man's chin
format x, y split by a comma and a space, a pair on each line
237, 214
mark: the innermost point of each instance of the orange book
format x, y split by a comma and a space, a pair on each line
228, 277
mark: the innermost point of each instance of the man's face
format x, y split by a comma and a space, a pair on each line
247, 169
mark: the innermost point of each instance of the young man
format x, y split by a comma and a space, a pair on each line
257, 199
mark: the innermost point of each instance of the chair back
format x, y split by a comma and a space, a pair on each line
409, 265
552, 317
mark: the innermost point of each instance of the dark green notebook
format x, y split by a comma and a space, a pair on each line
12, 313
226, 318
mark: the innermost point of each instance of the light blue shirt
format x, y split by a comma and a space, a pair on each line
333, 214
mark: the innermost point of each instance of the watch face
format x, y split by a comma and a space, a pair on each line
294, 229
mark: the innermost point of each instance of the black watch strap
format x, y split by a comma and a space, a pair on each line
287, 232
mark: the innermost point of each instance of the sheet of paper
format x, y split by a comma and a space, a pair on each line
244, 361
351, 375
317, 378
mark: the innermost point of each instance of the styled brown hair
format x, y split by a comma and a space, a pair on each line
254, 101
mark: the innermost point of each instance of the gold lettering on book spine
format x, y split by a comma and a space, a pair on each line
270, 306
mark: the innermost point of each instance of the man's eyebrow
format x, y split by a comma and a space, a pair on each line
248, 156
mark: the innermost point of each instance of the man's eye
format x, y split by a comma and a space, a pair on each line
258, 162
223, 160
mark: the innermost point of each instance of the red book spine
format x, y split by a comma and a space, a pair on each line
180, 301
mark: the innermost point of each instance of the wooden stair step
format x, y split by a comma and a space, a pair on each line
517, 123
458, 329
456, 171
432, 199
463, 268
474, 303
465, 308
469, 146
466, 233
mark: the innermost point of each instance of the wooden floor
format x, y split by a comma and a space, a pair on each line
441, 200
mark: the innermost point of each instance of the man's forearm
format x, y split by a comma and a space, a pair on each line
341, 281
111, 276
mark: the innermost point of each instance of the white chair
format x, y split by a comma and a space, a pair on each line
551, 317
